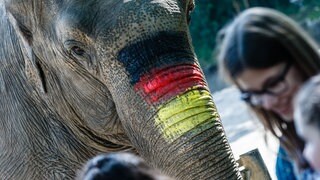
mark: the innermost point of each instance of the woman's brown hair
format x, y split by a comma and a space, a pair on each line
259, 38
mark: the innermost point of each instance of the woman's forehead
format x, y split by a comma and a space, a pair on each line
254, 79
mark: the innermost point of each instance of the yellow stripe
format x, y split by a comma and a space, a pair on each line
185, 113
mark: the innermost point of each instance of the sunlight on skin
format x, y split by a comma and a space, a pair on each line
185, 113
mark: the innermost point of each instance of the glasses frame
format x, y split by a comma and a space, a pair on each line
247, 95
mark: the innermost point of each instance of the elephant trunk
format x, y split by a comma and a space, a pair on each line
187, 101
186, 112
179, 131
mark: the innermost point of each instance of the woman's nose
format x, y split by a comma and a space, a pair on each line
269, 101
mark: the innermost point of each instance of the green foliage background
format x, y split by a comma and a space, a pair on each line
210, 16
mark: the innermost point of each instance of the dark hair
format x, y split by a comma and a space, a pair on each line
119, 166
244, 55
260, 38
307, 101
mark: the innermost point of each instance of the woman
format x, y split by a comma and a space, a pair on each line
268, 57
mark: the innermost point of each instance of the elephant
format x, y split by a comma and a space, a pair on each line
84, 77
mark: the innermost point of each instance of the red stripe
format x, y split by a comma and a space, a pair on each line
163, 84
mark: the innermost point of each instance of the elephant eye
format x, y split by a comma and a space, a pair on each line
78, 50
80, 53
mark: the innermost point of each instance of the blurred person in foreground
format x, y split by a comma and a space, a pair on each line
119, 166
307, 120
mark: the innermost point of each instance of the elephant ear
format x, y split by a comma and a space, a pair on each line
33, 69
22, 12
32, 14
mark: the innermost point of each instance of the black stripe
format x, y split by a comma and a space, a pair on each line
142, 56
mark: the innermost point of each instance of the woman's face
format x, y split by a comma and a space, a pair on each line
271, 88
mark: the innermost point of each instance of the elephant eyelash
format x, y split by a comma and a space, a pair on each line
80, 54
75, 49
78, 51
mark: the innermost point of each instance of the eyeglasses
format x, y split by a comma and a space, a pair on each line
274, 87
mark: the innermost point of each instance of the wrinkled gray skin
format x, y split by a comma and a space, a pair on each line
66, 97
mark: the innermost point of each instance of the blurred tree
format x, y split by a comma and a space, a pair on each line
207, 19
309, 17
210, 16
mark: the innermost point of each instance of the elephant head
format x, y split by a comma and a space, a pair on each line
85, 77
